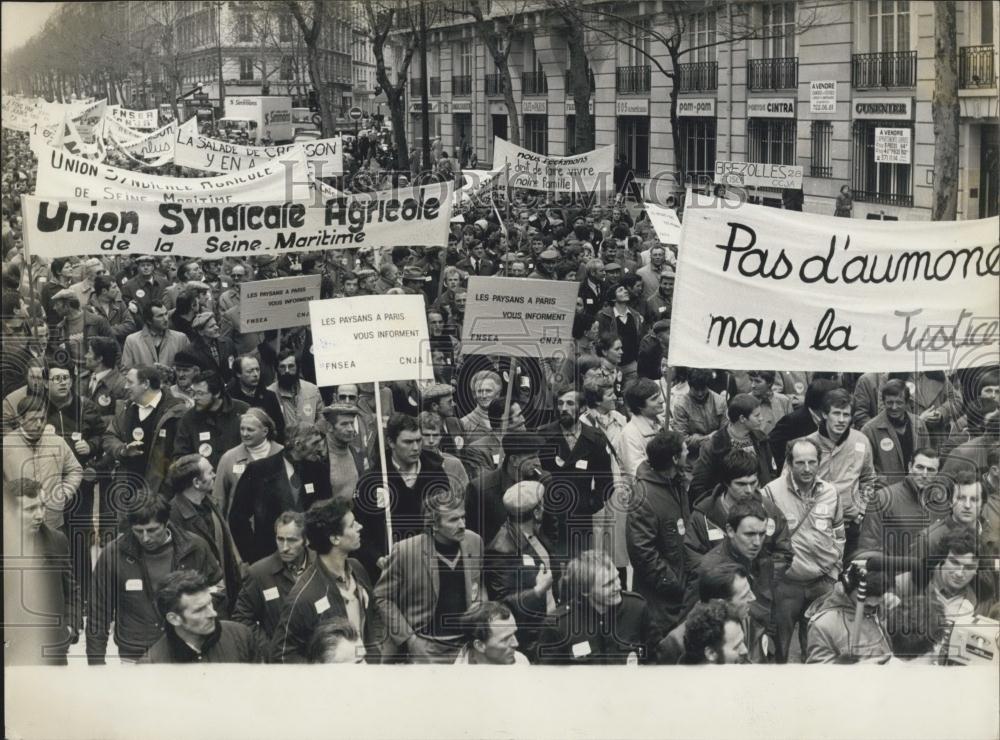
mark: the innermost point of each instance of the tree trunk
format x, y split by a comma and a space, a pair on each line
397, 114
326, 104
579, 68
945, 111
513, 125
680, 165
425, 117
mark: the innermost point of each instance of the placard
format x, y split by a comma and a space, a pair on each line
277, 304
369, 338
758, 174
823, 96
665, 223
765, 287
892, 145
580, 173
519, 317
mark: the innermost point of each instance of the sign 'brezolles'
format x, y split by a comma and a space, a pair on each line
60, 227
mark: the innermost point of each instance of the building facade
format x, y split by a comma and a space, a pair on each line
842, 88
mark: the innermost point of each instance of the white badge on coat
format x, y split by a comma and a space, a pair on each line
496, 459
680, 526
322, 605
581, 464
307, 410
163, 433
559, 461
310, 488
662, 309
459, 442
380, 498
104, 400
859, 446
238, 468
714, 533
887, 444
138, 435
205, 449
581, 650
270, 594
412, 401
770, 526
140, 293
799, 386
49, 429
204, 436
133, 584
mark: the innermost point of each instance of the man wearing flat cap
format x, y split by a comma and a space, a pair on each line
518, 568
414, 281
545, 267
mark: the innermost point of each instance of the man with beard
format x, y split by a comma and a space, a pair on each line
713, 635
271, 578
895, 433
246, 386
577, 458
301, 403
846, 463
213, 426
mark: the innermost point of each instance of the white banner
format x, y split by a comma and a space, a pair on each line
21, 114
60, 227
892, 145
61, 174
324, 156
665, 223
783, 290
154, 149
757, 174
581, 173
134, 118
370, 338
277, 304
519, 317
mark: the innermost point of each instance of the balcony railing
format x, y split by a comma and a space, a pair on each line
975, 67
569, 82
773, 74
632, 79
461, 85
416, 83
495, 85
884, 69
699, 76
534, 83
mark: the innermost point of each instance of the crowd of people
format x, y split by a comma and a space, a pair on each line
198, 498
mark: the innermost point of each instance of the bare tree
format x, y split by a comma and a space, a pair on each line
945, 112
310, 17
382, 20
670, 28
574, 31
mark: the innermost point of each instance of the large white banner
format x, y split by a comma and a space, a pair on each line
760, 287
61, 174
155, 148
60, 227
324, 156
518, 317
134, 118
20, 113
758, 174
581, 173
368, 338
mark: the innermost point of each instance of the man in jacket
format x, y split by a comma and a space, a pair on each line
193, 633
128, 574
101, 382
895, 433
155, 343
846, 463
577, 458
707, 526
699, 412
429, 582
713, 635
247, 386
644, 402
834, 636
934, 399
655, 529
211, 350
334, 585
140, 438
742, 432
518, 567
106, 301
811, 507
145, 288
598, 623
624, 323
801, 422
269, 580
484, 507
301, 402
213, 426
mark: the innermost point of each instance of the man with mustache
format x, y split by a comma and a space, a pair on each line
301, 403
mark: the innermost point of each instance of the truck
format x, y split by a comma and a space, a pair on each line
259, 117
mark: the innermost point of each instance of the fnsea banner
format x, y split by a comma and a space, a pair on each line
62, 227
581, 173
135, 119
785, 290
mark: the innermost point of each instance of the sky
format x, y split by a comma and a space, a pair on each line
21, 21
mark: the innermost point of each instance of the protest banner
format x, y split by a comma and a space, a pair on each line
21, 114
154, 149
665, 223
63, 174
135, 119
324, 156
61, 226
783, 290
757, 174
518, 317
277, 304
581, 173
892, 145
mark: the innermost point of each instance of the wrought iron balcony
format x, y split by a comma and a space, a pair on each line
884, 69
781, 73
495, 85
632, 79
461, 85
975, 67
534, 83
699, 76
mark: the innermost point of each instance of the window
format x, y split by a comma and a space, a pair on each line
244, 27
779, 30
888, 25
570, 135
772, 140
877, 182
246, 68
635, 53
698, 141
633, 142
463, 58
701, 33
285, 28
536, 134
821, 135
286, 68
